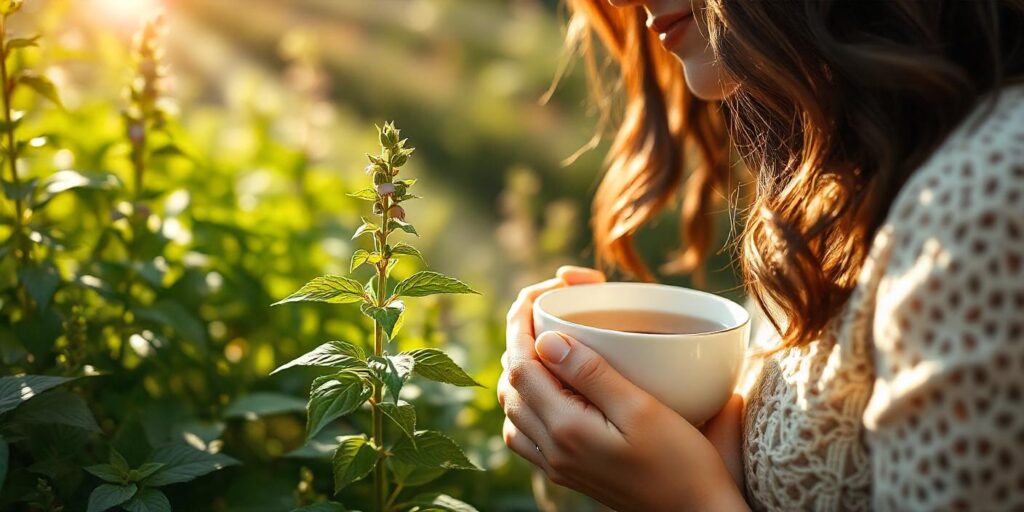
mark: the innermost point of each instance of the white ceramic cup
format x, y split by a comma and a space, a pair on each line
694, 374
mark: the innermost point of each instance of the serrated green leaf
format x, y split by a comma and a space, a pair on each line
119, 463
144, 471
408, 183
402, 414
411, 475
173, 314
108, 496
22, 42
366, 227
390, 317
331, 289
433, 502
432, 449
16, 389
333, 354
433, 364
171, 150
361, 256
20, 191
183, 463
63, 181
148, 500
107, 472
40, 281
393, 371
366, 194
394, 224
263, 403
332, 397
58, 407
428, 283
352, 461
42, 85
404, 248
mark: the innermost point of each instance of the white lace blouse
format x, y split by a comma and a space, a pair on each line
912, 399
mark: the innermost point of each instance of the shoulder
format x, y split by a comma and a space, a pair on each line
970, 190
947, 333
953, 279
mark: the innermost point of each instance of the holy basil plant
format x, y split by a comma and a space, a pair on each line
357, 377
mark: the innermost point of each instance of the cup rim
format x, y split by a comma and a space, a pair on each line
597, 330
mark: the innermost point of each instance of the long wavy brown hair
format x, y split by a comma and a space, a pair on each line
839, 102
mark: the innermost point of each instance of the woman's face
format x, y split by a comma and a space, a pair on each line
680, 27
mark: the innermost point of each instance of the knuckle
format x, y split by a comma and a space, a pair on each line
565, 433
561, 465
508, 433
557, 478
519, 373
590, 369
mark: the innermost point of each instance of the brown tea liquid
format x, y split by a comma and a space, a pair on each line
644, 322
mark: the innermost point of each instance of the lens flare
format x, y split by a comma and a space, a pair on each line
123, 13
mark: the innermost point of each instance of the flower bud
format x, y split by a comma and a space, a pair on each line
378, 208
142, 211
136, 132
386, 189
397, 212
399, 159
380, 178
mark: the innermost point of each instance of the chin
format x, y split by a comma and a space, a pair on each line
705, 81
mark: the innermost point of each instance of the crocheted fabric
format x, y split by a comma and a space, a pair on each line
912, 398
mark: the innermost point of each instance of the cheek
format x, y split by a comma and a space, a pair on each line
703, 76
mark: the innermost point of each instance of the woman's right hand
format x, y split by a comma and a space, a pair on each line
566, 275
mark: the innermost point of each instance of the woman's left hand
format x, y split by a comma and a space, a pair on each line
572, 415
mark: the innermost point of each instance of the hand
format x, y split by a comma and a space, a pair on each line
571, 414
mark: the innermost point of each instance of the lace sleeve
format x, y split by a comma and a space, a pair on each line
945, 422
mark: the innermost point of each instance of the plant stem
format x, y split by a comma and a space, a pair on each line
394, 496
380, 475
20, 248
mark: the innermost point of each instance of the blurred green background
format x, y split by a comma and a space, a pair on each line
276, 102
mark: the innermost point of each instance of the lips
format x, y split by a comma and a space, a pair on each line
670, 27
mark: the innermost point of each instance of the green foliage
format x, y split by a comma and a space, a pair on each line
334, 396
169, 223
433, 364
342, 393
354, 458
108, 496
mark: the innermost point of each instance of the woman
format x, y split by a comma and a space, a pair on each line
884, 242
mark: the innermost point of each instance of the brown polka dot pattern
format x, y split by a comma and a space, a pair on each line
913, 398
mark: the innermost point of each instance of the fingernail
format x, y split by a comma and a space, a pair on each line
552, 347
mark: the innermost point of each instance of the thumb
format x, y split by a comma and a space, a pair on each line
579, 367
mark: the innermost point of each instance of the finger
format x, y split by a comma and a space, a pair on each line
579, 367
525, 420
523, 446
579, 275
502, 388
534, 290
519, 329
723, 431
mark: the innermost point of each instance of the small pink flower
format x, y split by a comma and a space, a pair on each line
386, 189
136, 132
